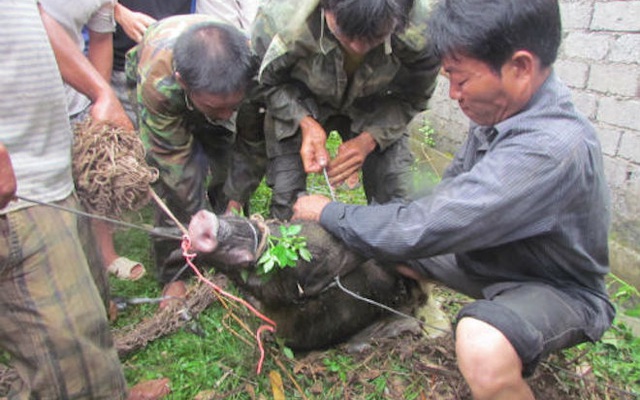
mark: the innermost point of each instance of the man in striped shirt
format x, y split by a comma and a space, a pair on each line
53, 321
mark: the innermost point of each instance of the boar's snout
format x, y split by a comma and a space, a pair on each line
203, 231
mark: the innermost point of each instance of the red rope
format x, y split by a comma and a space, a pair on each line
270, 324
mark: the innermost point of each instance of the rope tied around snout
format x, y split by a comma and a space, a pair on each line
269, 324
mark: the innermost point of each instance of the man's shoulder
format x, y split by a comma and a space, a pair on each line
552, 108
552, 123
415, 34
287, 11
283, 16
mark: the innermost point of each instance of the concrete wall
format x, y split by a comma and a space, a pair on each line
599, 60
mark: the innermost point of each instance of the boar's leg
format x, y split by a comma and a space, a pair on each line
333, 316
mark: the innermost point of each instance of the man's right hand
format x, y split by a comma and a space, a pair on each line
107, 108
8, 184
309, 207
313, 151
133, 23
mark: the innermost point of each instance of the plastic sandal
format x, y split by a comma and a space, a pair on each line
123, 268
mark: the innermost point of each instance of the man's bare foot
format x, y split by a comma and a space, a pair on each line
112, 312
150, 390
174, 291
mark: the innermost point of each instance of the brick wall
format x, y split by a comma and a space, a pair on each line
600, 61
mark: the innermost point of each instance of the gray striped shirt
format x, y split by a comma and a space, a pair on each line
525, 200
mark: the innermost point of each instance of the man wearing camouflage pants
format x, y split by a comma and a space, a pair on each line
362, 68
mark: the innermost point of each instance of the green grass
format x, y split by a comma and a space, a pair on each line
222, 359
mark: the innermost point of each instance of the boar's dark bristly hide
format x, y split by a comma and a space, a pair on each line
310, 310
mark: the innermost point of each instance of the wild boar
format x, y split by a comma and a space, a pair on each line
309, 308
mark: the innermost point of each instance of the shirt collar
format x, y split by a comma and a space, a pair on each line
539, 99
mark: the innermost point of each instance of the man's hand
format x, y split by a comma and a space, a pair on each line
351, 156
313, 151
8, 182
309, 207
107, 108
134, 24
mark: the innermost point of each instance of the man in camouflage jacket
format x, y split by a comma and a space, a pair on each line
188, 119
362, 68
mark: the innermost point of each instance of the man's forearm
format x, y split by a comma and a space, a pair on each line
75, 68
79, 73
101, 53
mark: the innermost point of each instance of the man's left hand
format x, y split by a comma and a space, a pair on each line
351, 156
233, 208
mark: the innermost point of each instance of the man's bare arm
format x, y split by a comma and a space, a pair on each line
78, 72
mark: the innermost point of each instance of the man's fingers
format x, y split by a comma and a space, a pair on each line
341, 168
314, 158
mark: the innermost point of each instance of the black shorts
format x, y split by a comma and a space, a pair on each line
537, 318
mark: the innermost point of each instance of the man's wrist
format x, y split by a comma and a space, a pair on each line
307, 123
367, 141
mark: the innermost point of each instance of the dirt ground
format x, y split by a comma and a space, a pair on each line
411, 365
433, 374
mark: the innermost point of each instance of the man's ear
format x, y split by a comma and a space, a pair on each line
180, 81
522, 64
523, 74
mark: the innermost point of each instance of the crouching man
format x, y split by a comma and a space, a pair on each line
520, 219
193, 78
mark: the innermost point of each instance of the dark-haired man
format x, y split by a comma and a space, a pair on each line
520, 219
192, 76
363, 68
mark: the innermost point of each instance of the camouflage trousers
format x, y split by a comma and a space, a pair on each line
386, 175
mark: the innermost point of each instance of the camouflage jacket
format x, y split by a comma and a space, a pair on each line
166, 123
302, 72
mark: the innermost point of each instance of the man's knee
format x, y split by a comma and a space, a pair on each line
486, 358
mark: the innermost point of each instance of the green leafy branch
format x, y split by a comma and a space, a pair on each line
284, 251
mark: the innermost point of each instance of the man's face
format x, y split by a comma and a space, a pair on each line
484, 96
215, 106
355, 46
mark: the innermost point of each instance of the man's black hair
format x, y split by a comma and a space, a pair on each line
492, 30
214, 58
369, 19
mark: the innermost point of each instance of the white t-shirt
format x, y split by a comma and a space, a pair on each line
33, 119
96, 15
